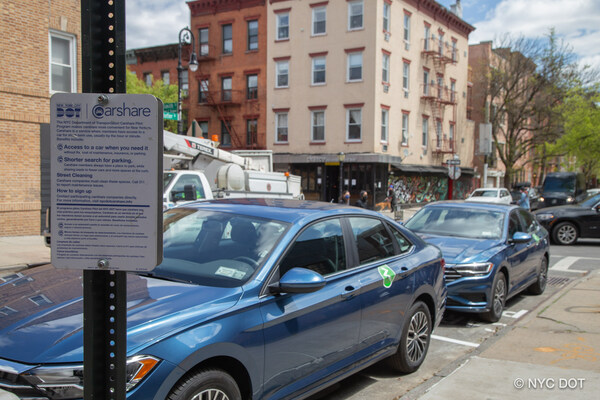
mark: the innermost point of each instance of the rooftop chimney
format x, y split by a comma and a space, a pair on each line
457, 9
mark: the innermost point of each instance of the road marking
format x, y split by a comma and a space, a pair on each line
564, 264
514, 314
445, 339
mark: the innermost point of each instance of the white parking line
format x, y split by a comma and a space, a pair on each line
462, 342
514, 314
564, 264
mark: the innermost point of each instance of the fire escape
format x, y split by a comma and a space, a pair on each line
436, 94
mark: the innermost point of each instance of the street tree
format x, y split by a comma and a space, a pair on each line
581, 140
524, 84
166, 93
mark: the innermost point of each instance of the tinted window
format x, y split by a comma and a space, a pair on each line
372, 239
529, 222
403, 244
320, 248
514, 224
559, 184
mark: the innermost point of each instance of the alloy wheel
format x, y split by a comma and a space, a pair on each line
211, 394
566, 234
418, 335
499, 295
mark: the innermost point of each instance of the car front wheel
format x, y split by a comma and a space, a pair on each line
414, 342
539, 286
208, 384
499, 291
565, 233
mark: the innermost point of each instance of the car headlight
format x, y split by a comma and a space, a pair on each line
66, 382
473, 269
541, 198
570, 199
544, 217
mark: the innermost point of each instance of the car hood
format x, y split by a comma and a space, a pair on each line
458, 250
45, 321
556, 195
566, 210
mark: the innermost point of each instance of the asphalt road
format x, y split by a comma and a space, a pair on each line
460, 334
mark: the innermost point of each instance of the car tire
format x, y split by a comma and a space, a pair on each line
499, 291
565, 233
539, 285
414, 341
206, 383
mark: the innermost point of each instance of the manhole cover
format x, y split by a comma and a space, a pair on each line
558, 281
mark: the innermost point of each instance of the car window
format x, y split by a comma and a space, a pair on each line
505, 193
485, 193
514, 224
403, 244
320, 248
458, 221
529, 222
184, 180
372, 239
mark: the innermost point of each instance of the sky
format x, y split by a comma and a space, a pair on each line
577, 22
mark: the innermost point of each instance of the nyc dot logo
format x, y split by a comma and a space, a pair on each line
68, 110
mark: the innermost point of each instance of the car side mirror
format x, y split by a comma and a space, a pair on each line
521, 237
298, 280
189, 192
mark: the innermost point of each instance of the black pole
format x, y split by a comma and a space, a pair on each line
341, 190
183, 35
104, 292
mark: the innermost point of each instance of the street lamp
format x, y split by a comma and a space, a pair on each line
341, 157
185, 36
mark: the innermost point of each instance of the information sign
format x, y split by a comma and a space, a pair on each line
170, 111
454, 172
106, 176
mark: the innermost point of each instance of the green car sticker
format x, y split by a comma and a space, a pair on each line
387, 274
535, 237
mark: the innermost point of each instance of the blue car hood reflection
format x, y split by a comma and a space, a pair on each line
54, 332
457, 250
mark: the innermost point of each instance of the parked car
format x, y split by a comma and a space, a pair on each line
562, 188
568, 223
492, 252
491, 195
254, 299
591, 192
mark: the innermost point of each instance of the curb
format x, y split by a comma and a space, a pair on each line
23, 266
455, 365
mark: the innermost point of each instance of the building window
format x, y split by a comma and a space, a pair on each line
226, 88
426, 82
405, 78
148, 79
454, 50
225, 133
425, 131
227, 39
203, 128
317, 126
203, 91
282, 74
281, 122
386, 16
441, 44
252, 87
354, 67
318, 70
355, 15
354, 124
405, 129
283, 26
426, 41
438, 133
203, 41
319, 17
63, 53
40, 300
384, 124
452, 91
253, 35
166, 77
406, 28
440, 86
184, 82
451, 135
385, 67
7, 311
251, 131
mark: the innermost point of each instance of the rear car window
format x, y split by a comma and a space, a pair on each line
372, 239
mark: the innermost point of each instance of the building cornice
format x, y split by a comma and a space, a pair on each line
442, 15
207, 7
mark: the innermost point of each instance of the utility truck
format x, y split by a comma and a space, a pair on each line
195, 169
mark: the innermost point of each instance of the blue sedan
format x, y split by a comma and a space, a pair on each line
254, 299
492, 252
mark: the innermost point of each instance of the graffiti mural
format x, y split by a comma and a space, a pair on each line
411, 189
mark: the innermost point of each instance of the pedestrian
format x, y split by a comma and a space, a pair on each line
362, 201
345, 198
524, 200
391, 197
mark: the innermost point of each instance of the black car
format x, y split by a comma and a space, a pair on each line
567, 223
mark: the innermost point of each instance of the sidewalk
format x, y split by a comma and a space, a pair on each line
21, 251
554, 352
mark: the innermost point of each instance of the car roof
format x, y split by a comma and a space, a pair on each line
285, 210
465, 204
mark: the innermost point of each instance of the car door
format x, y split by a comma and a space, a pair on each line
311, 335
536, 246
386, 273
518, 254
590, 222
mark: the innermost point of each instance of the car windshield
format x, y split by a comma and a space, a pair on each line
167, 178
459, 222
485, 193
214, 248
556, 184
591, 201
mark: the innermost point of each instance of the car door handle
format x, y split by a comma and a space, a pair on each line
349, 292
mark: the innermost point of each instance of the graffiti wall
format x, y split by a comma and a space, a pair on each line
412, 189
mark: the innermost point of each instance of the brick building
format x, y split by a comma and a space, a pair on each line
41, 49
